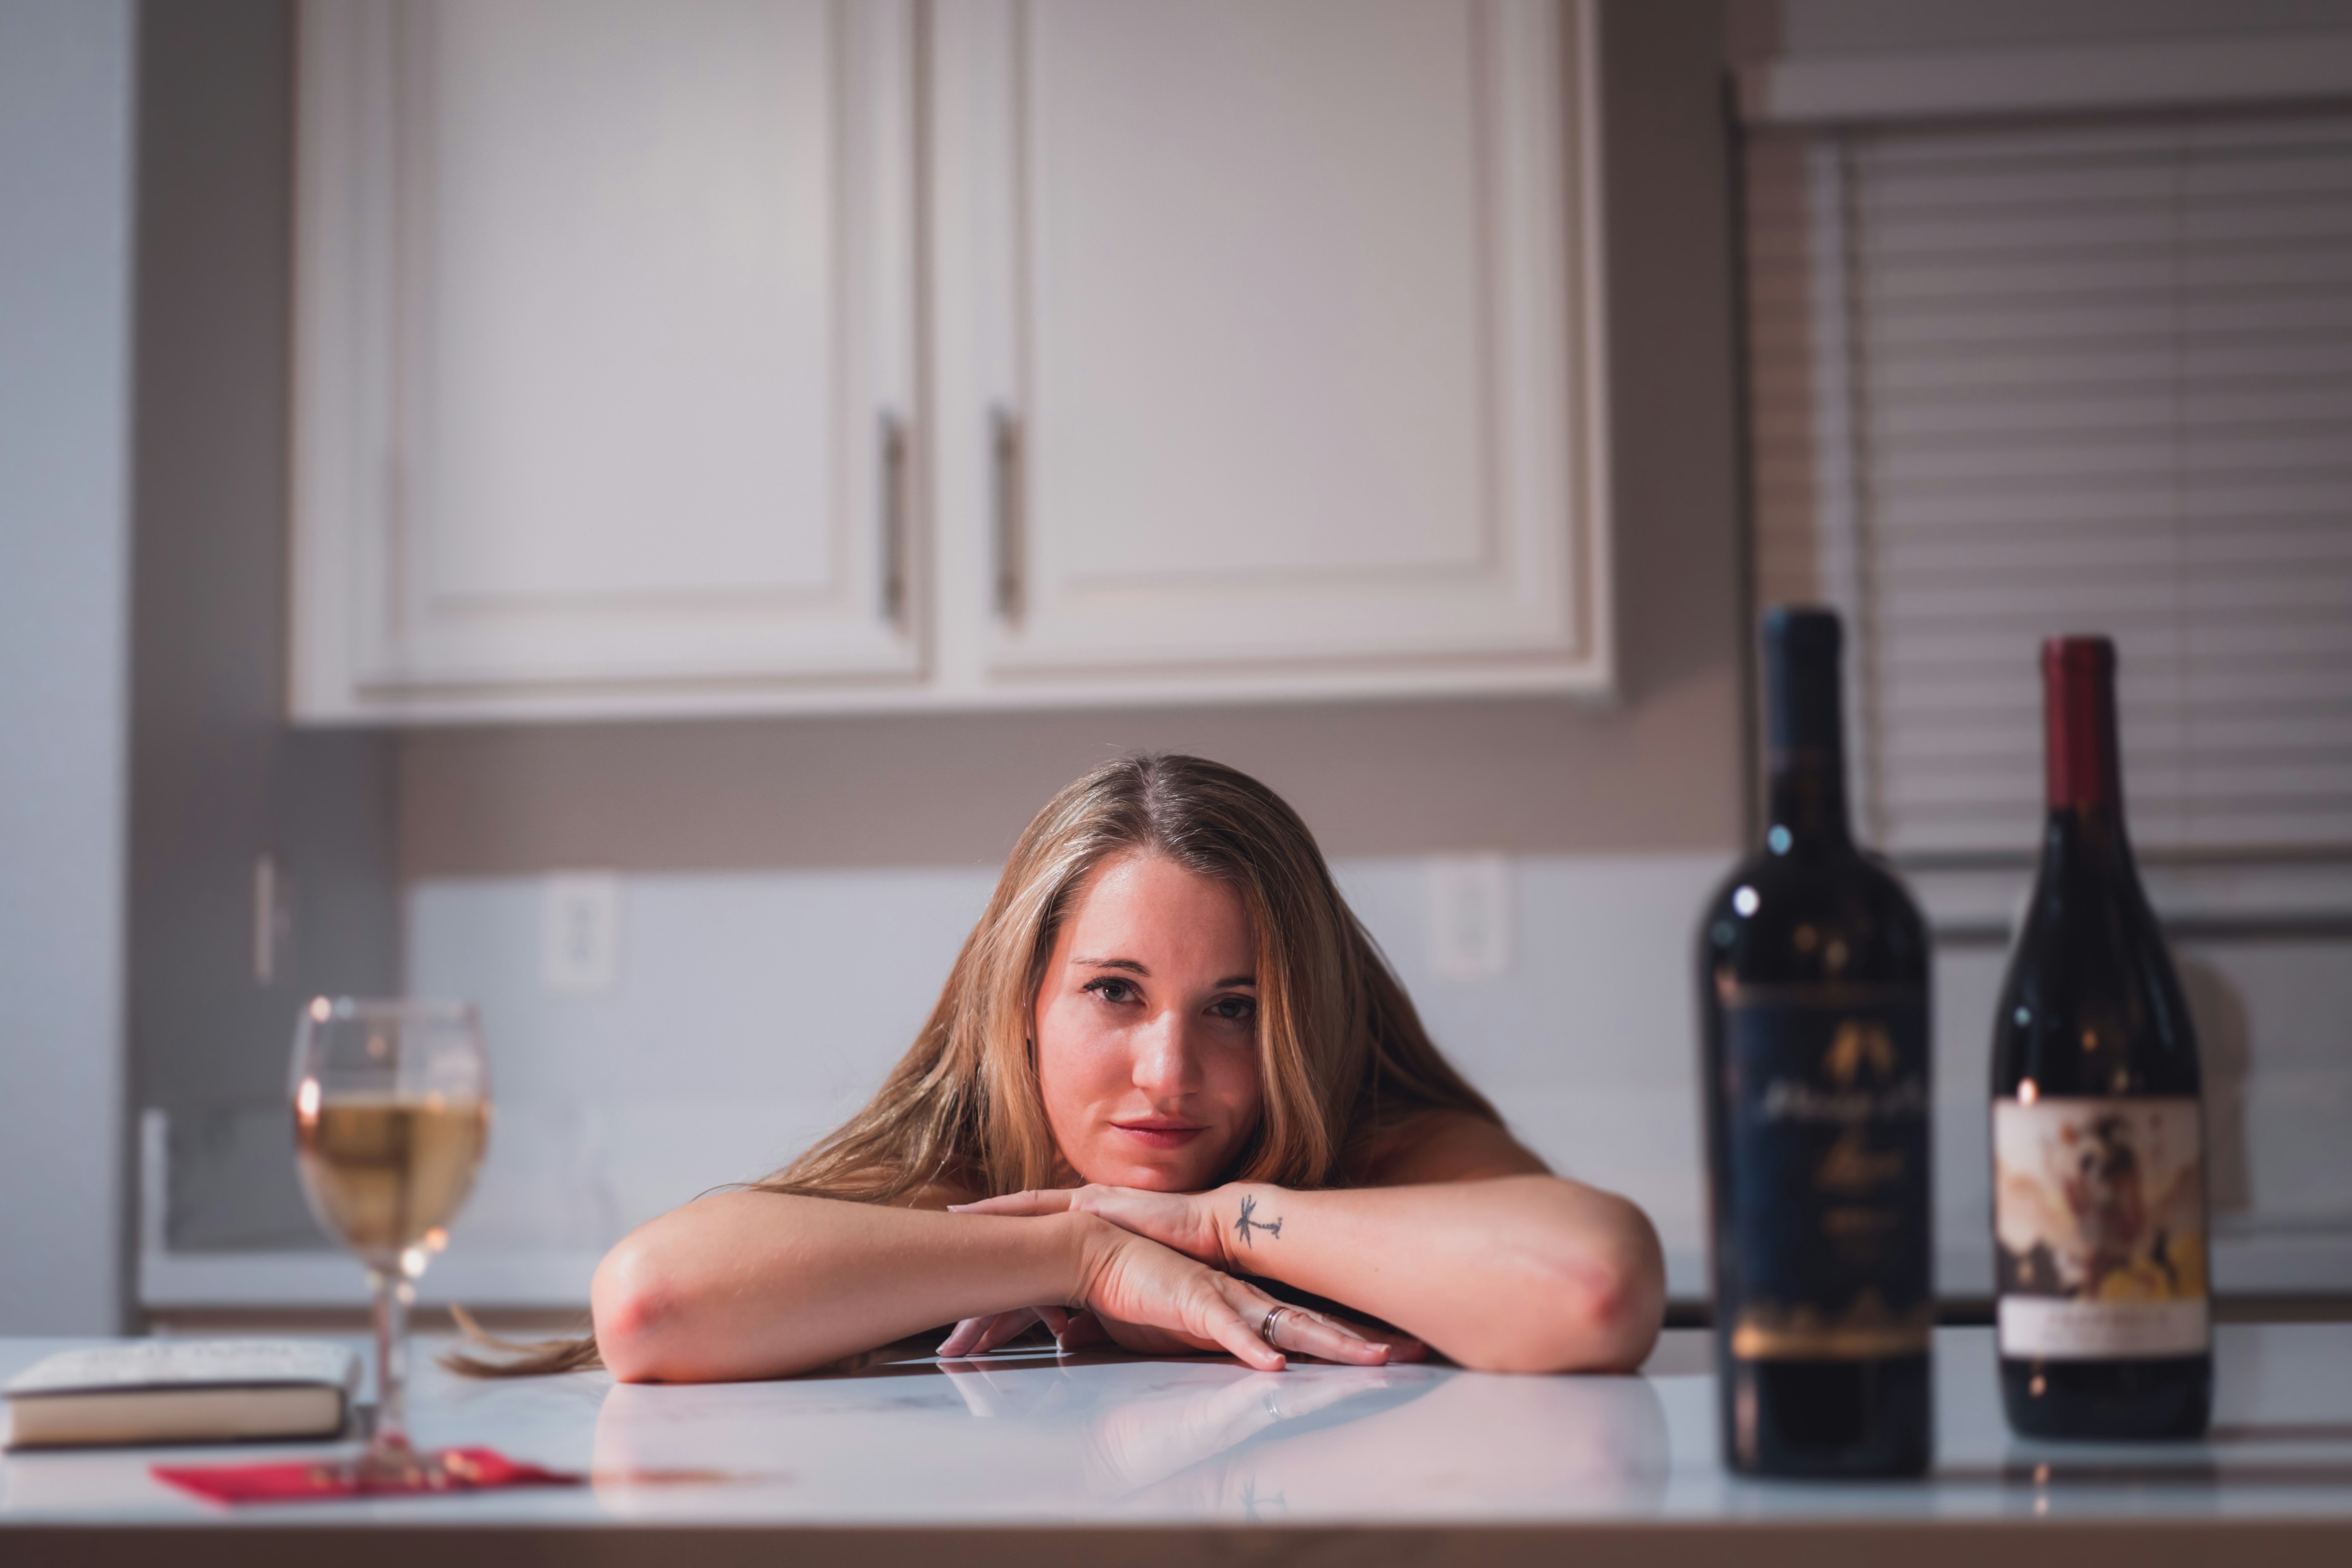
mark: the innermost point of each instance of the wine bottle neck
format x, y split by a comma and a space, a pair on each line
1807, 799
2083, 765
2084, 760
1804, 732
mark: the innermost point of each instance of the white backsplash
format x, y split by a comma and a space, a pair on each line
755, 1010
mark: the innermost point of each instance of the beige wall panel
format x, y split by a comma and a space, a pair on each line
1519, 776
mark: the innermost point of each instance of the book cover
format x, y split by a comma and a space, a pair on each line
168, 1391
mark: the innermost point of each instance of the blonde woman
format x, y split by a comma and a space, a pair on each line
1170, 1083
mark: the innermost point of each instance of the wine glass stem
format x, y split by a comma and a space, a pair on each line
393, 1292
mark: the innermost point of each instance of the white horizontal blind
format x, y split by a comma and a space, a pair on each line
2020, 380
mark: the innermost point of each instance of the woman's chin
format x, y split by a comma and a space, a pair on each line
1154, 1177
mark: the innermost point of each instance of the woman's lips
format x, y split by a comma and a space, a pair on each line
1155, 1134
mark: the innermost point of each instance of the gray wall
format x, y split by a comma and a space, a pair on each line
217, 778
64, 232
1660, 771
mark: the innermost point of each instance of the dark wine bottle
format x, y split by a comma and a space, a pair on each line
1813, 1002
2097, 1127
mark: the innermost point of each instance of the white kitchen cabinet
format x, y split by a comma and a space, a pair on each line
1282, 316
1258, 357
604, 352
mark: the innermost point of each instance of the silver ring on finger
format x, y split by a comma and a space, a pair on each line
1265, 1329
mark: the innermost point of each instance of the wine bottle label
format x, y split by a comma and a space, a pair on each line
2099, 1229
1828, 1237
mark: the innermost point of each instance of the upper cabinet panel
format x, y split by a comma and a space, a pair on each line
599, 190
1255, 289
1279, 321
605, 349
661, 356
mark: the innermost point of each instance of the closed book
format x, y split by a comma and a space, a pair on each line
183, 1391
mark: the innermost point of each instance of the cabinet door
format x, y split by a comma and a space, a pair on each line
1282, 314
604, 331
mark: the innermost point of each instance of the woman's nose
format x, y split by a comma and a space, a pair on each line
1165, 1063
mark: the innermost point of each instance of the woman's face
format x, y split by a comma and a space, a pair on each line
1147, 1027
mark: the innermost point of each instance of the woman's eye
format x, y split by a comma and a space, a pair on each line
1113, 990
1238, 1008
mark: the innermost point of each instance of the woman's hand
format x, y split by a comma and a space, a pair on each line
1296, 1330
1184, 1221
978, 1336
1181, 1221
1149, 1298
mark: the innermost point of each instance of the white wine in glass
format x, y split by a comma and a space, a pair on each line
392, 1109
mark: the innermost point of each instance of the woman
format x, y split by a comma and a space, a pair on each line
1168, 1063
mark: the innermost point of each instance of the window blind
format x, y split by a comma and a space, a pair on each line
2013, 380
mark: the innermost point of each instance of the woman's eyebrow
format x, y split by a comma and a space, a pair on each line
1133, 967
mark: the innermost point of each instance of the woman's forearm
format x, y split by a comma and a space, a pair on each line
752, 1284
1516, 1273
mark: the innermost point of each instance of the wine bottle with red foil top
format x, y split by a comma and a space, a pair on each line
2099, 1209
1812, 981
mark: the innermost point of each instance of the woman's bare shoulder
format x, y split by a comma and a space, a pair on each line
1436, 1146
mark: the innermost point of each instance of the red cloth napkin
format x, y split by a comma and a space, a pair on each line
461, 1470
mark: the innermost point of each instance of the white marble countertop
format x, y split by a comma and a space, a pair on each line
1193, 1452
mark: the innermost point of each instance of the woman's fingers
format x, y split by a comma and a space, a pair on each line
962, 1337
1006, 1326
1164, 1294
1401, 1347
1304, 1332
1225, 1327
1049, 1200
978, 1336
1178, 1220
1083, 1329
1235, 1314
1311, 1333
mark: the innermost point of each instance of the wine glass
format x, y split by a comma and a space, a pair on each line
391, 1107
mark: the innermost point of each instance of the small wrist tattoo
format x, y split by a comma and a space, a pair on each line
1243, 1226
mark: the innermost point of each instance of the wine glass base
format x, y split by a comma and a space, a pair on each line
396, 1469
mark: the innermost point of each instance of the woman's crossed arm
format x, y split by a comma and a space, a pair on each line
1466, 1243
756, 1284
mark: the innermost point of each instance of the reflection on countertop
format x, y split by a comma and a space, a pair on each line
1103, 1432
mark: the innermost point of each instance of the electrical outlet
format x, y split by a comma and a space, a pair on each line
273, 921
1470, 917
580, 933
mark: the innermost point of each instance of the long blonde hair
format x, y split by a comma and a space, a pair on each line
1344, 1060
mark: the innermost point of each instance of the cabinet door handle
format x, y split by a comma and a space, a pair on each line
891, 501
1005, 449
